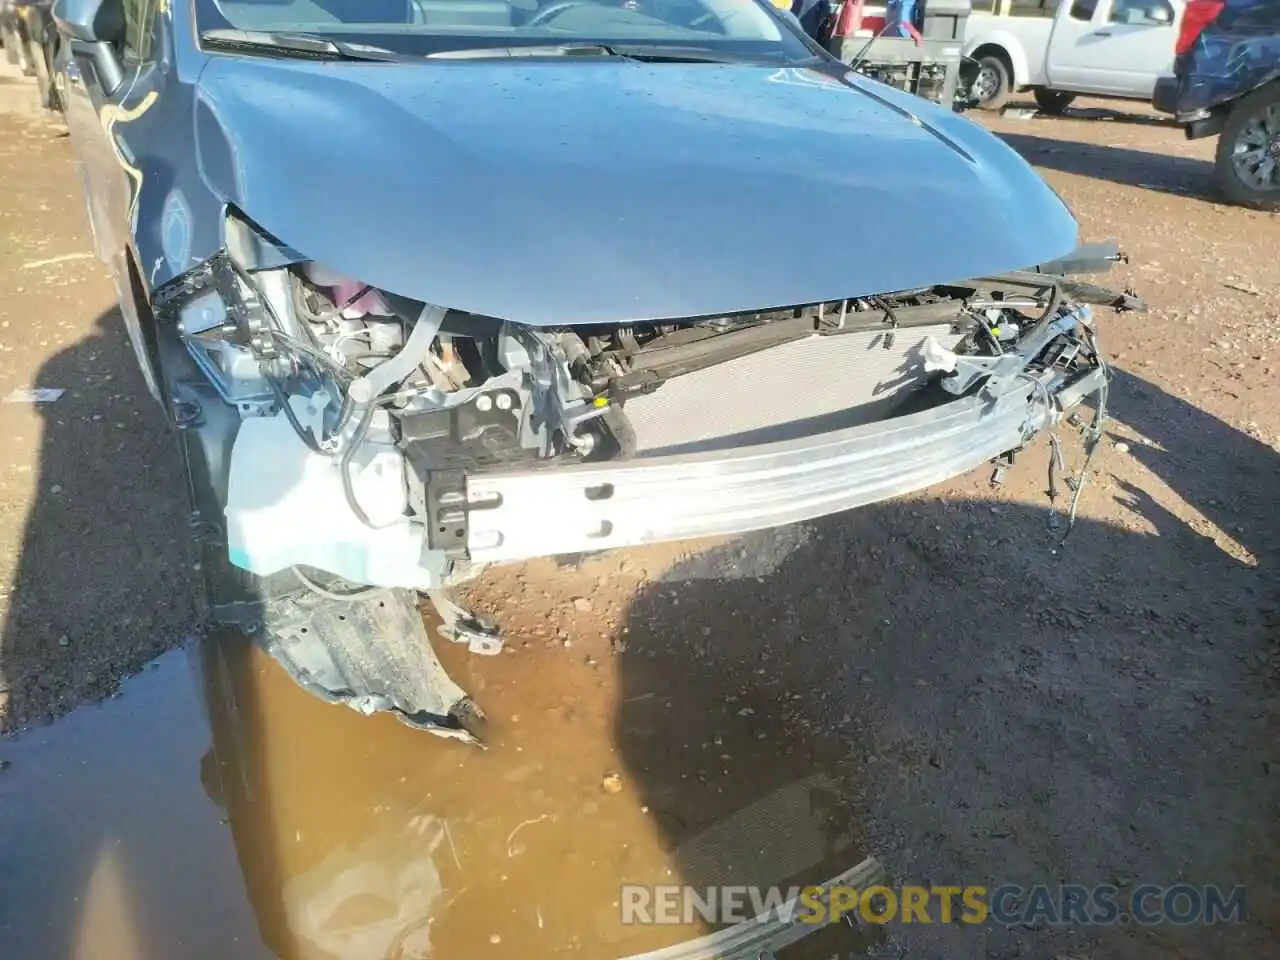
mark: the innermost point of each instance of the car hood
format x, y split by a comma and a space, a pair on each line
607, 192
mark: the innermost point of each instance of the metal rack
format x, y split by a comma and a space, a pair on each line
929, 65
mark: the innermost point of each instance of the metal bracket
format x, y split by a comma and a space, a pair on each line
1002, 463
446, 502
965, 370
891, 319
461, 626
245, 319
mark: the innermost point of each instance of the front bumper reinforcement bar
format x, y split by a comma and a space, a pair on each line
516, 516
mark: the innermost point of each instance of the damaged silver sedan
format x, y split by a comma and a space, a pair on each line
427, 285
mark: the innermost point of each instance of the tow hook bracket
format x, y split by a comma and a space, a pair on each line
446, 508
461, 626
1002, 463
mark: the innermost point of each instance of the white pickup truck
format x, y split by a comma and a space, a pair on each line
1061, 48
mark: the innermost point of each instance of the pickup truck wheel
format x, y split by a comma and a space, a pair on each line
1053, 101
992, 85
1248, 159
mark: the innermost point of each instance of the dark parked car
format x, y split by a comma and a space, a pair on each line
1227, 81
48, 54
31, 41
13, 33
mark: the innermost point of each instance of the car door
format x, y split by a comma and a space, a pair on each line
97, 118
80, 116
1063, 60
1139, 36
1114, 47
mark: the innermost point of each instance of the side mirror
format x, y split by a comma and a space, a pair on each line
94, 27
90, 21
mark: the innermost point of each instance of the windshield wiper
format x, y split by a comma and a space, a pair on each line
646, 53
676, 53
315, 47
537, 50
304, 45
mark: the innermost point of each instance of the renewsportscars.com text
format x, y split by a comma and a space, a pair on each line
1008, 904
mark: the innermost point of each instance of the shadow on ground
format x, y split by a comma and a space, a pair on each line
989, 709
105, 580
1098, 114
1180, 176
931, 681
1225, 474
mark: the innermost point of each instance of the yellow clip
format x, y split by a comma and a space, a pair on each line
600, 402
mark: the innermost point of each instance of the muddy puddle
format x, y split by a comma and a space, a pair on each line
214, 809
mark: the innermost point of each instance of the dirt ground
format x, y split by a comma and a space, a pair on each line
995, 708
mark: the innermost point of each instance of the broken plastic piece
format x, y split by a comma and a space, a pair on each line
937, 357
370, 654
34, 394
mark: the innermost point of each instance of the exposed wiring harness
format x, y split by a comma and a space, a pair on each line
304, 433
336, 379
343, 378
314, 444
1057, 464
1093, 435
1092, 440
348, 452
302, 286
891, 318
344, 465
320, 363
1055, 301
367, 393
358, 435
317, 356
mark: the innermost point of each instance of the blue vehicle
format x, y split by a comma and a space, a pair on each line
47, 53
1226, 82
427, 285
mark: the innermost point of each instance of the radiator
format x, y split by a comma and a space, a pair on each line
807, 386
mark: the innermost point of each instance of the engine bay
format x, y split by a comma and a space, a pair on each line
392, 403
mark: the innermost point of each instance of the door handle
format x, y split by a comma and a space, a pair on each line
1103, 33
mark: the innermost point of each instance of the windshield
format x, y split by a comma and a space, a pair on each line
423, 27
